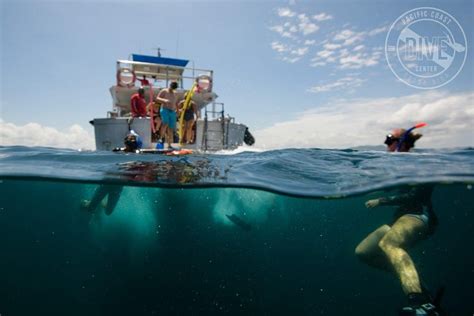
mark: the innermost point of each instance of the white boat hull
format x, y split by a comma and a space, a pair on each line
110, 132
212, 135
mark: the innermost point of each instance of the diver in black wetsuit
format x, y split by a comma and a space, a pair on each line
132, 143
414, 220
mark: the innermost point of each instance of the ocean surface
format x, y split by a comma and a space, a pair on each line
248, 233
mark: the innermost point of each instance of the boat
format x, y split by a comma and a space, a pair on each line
214, 129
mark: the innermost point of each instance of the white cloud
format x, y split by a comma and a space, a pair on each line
355, 38
278, 28
303, 18
358, 122
291, 60
285, 12
318, 63
300, 51
292, 44
343, 52
348, 58
279, 47
359, 59
378, 30
324, 53
306, 27
343, 35
34, 134
322, 17
287, 53
348, 82
331, 46
350, 37
281, 29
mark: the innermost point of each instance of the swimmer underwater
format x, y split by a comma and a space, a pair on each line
414, 220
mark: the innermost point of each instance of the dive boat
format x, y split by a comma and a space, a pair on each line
215, 130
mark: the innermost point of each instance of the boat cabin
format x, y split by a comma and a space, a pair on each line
213, 130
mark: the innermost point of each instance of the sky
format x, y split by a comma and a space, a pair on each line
298, 73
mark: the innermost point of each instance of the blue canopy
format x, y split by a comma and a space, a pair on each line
160, 60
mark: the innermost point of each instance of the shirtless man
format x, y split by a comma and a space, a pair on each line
167, 98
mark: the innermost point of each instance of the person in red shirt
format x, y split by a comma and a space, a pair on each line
138, 103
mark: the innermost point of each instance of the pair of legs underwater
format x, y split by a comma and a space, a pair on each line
385, 249
112, 192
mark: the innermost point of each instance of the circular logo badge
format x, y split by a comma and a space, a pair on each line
426, 48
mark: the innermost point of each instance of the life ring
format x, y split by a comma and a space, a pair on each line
203, 83
123, 83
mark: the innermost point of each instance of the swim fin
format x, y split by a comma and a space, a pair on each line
422, 304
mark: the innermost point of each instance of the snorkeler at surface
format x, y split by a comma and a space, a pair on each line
414, 220
132, 143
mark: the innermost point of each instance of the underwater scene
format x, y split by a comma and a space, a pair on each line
251, 233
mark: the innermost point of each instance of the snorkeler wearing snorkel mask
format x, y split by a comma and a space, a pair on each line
403, 140
413, 221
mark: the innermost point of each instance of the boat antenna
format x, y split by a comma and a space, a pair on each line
158, 51
177, 44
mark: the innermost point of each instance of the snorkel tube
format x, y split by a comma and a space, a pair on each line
408, 131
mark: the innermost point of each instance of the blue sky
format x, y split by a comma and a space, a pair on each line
272, 63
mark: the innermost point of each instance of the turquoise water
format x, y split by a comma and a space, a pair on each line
169, 247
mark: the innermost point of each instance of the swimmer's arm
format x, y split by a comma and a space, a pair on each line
392, 200
397, 199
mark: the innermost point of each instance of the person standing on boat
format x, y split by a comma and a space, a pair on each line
167, 98
153, 108
413, 221
189, 118
138, 103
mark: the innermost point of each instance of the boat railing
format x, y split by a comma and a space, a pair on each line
163, 71
214, 112
218, 116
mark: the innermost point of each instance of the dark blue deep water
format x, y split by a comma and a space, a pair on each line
170, 247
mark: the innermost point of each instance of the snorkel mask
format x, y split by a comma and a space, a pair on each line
132, 141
